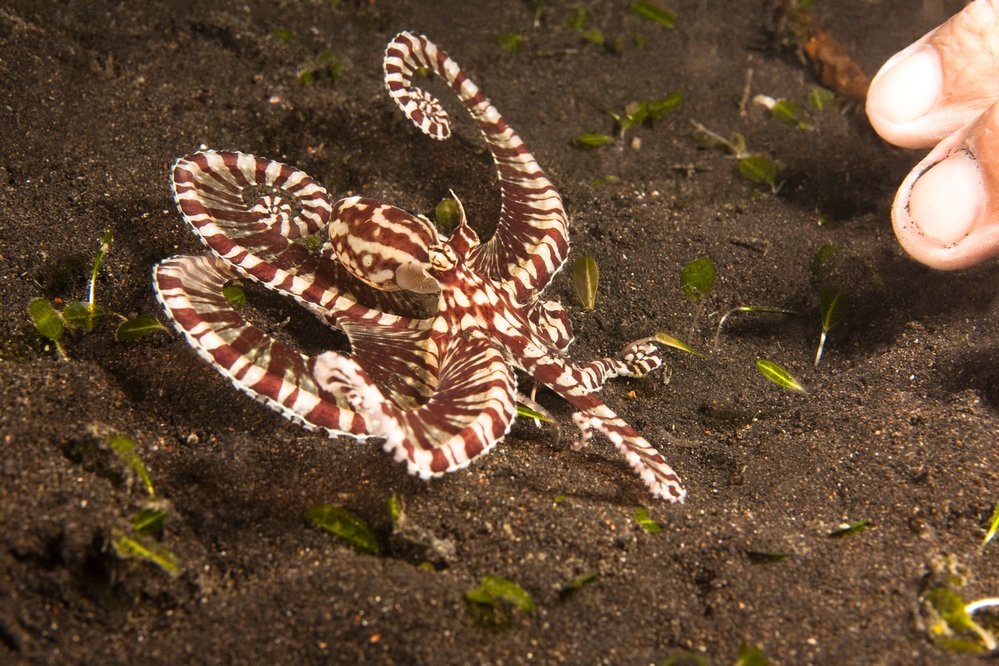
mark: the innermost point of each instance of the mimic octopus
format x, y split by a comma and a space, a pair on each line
437, 387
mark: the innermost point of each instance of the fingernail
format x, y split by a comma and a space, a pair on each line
948, 199
909, 88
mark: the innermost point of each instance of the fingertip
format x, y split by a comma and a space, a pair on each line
942, 215
978, 247
904, 91
947, 200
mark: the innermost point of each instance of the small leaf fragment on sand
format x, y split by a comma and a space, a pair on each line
605, 180
45, 318
585, 279
819, 98
149, 521
657, 108
665, 338
697, 279
124, 448
80, 314
594, 36
344, 525
653, 12
510, 42
759, 169
637, 113
778, 375
591, 140
529, 413
822, 257
849, 529
395, 508
579, 17
951, 625
579, 581
832, 308
993, 527
99, 258
234, 294
140, 548
751, 655
789, 113
283, 35
447, 215
496, 596
137, 327
641, 516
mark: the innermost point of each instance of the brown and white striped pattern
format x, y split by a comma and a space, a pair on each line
437, 387
381, 245
472, 408
190, 289
531, 240
474, 305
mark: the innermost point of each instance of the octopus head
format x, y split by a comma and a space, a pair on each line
384, 246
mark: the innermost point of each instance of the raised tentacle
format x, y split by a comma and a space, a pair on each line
531, 240
471, 409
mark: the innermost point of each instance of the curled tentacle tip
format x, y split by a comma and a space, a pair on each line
406, 56
641, 359
427, 113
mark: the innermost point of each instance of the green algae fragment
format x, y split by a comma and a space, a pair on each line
344, 525
641, 516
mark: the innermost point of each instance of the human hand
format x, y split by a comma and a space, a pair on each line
944, 90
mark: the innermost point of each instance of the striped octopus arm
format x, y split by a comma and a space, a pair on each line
579, 384
190, 289
531, 240
472, 408
252, 212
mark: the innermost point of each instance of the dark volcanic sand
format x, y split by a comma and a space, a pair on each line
899, 427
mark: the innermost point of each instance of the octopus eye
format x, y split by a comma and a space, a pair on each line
382, 245
414, 277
